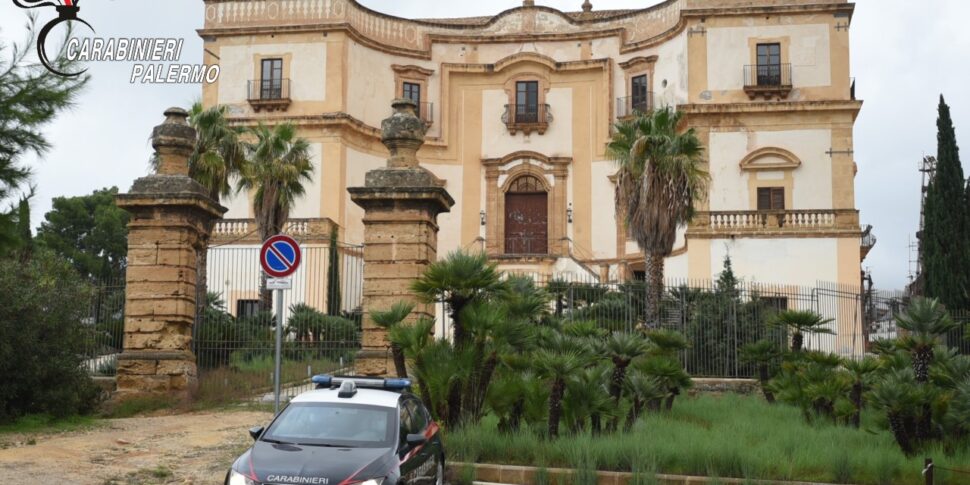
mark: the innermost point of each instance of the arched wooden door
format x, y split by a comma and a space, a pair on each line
526, 217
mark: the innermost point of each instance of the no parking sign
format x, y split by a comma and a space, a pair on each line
280, 256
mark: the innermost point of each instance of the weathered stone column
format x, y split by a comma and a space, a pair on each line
401, 203
170, 217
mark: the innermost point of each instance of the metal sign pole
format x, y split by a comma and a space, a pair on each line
279, 351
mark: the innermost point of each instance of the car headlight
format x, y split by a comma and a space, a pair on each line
236, 478
373, 481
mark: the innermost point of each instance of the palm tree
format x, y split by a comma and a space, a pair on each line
896, 394
557, 366
644, 389
388, 320
764, 354
659, 181
801, 322
458, 280
925, 322
861, 372
419, 347
587, 396
278, 165
622, 348
671, 376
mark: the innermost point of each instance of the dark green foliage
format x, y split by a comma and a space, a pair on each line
946, 230
334, 294
42, 339
90, 231
30, 98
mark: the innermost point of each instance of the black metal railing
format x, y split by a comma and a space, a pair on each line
526, 114
519, 245
631, 105
269, 89
767, 75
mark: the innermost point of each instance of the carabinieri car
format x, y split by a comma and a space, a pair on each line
350, 430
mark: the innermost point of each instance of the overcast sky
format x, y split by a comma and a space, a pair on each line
904, 54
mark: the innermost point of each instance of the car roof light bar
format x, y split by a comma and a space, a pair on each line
326, 381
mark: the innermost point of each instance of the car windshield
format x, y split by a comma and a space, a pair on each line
323, 424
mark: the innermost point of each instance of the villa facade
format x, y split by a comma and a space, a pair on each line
519, 108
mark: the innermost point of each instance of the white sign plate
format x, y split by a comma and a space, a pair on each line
279, 284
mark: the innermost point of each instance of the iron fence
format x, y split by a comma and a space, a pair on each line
234, 333
105, 326
767, 75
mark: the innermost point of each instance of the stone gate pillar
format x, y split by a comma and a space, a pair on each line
170, 217
401, 205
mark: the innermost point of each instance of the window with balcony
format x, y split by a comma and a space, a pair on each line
769, 76
771, 198
411, 82
412, 91
527, 112
271, 91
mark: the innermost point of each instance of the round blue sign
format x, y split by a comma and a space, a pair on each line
280, 256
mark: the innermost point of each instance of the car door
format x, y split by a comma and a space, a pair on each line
418, 465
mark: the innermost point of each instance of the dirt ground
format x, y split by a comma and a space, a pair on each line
192, 448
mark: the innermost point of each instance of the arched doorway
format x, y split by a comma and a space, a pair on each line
526, 217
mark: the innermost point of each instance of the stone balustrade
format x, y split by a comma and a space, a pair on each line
244, 231
819, 222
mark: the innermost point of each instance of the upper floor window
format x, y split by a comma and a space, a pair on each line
271, 80
639, 93
771, 198
769, 64
527, 102
412, 91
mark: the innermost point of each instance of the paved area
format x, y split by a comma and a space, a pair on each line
192, 448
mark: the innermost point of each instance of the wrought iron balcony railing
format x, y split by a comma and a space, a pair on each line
527, 117
269, 94
631, 105
768, 80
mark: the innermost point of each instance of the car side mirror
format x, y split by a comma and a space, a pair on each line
416, 439
255, 431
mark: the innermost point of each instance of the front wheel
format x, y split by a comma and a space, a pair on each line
440, 479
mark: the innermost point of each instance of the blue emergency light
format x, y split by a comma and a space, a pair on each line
326, 381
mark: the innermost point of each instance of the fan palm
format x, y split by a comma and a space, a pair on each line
458, 280
278, 165
925, 322
669, 373
587, 397
389, 319
801, 322
659, 181
896, 394
643, 389
622, 348
414, 342
557, 367
764, 354
861, 372
667, 342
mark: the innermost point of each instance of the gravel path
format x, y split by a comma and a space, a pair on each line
194, 448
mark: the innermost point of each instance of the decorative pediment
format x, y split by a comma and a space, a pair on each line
412, 70
637, 62
770, 158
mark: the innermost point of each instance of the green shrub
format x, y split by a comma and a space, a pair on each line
43, 339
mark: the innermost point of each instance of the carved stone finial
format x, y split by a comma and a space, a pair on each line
587, 6
174, 141
403, 134
528, 3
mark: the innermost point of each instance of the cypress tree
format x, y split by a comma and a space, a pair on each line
946, 263
334, 302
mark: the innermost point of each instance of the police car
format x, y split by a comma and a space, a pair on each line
350, 430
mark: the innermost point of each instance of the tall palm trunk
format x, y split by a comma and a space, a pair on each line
399, 364
654, 288
555, 406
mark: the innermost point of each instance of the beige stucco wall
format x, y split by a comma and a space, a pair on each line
729, 49
556, 142
604, 222
358, 164
730, 185
307, 70
796, 261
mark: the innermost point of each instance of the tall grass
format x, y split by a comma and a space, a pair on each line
724, 436
245, 379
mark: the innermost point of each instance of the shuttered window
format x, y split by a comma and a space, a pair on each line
771, 198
